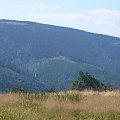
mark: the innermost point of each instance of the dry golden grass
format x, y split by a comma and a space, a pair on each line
70, 105
96, 102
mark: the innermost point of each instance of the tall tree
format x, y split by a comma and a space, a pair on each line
87, 81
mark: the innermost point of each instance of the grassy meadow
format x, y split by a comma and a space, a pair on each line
70, 105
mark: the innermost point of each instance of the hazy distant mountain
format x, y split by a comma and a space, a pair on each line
38, 56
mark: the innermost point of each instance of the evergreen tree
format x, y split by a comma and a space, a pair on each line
87, 81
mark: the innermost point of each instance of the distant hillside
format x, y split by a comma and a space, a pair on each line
33, 54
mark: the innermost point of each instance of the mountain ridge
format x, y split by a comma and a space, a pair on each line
24, 45
31, 22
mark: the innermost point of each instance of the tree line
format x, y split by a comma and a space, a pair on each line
84, 81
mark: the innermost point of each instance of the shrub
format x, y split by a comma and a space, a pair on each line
17, 89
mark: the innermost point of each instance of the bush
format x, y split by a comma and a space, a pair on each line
51, 90
17, 89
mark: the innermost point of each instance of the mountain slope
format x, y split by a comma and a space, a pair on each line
9, 79
23, 45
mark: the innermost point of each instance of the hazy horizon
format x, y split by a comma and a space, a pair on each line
98, 16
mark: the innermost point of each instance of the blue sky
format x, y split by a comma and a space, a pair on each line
100, 16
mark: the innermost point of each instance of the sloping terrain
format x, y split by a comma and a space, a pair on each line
9, 79
33, 51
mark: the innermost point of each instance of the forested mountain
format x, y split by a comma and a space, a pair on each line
39, 56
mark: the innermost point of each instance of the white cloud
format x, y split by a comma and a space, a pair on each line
105, 21
39, 6
75, 20
106, 16
19, 6
44, 6
104, 13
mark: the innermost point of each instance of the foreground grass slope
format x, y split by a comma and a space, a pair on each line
70, 105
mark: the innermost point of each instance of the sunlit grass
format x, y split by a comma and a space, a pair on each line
70, 105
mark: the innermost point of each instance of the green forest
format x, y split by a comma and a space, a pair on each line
39, 57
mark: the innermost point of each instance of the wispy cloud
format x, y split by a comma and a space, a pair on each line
91, 18
105, 21
21, 6
106, 17
37, 6
44, 6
